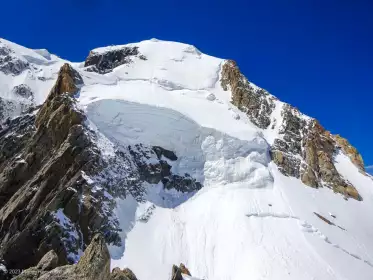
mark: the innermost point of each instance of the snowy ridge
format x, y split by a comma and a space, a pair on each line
26, 77
248, 221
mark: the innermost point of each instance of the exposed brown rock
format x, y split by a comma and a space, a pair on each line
305, 149
41, 174
287, 163
350, 151
125, 274
257, 104
47, 263
44, 160
177, 272
324, 219
318, 152
328, 221
129, 274
118, 274
93, 265
184, 269
67, 83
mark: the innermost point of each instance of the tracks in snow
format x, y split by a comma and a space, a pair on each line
306, 227
272, 215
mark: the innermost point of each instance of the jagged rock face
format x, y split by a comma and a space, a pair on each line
256, 103
125, 274
318, 150
47, 263
93, 265
105, 62
43, 159
14, 136
56, 189
184, 269
9, 63
159, 170
349, 150
178, 271
304, 149
24, 91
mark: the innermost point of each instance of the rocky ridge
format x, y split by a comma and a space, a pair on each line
105, 62
41, 174
22, 71
93, 265
304, 150
10, 63
57, 189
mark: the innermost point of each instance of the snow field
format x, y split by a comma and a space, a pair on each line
248, 221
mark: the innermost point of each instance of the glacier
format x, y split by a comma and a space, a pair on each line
248, 221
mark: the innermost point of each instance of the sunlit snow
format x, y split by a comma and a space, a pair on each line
248, 221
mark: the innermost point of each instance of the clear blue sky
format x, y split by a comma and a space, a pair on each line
315, 54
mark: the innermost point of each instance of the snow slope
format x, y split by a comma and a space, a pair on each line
248, 221
40, 74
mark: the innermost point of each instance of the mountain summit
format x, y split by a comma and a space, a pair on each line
174, 157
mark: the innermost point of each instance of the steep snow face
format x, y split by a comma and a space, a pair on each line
248, 221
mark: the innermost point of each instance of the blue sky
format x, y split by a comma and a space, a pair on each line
315, 54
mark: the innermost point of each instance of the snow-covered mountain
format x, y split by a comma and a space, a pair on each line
175, 157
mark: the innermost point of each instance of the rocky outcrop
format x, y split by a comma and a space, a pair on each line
178, 271
255, 102
304, 149
154, 167
57, 189
350, 151
93, 265
104, 62
23, 91
9, 63
47, 263
125, 274
45, 200
317, 153
184, 269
